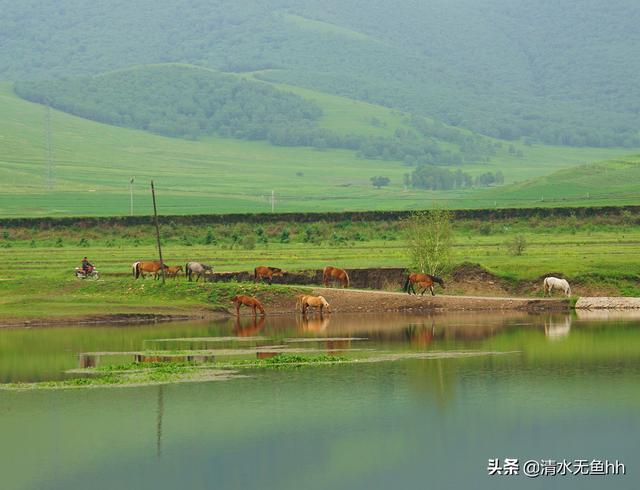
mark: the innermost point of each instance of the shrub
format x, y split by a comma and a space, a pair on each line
517, 245
248, 243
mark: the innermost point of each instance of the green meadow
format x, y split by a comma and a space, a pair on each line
598, 255
93, 164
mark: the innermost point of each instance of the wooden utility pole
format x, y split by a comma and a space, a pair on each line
155, 217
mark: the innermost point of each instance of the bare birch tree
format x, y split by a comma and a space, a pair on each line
429, 237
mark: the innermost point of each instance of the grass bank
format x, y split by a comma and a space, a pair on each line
598, 254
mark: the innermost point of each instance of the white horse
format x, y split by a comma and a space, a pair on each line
551, 283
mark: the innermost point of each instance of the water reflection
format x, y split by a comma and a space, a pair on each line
45, 353
159, 416
350, 426
557, 328
248, 327
313, 325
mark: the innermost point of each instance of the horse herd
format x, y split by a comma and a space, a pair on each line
415, 282
197, 270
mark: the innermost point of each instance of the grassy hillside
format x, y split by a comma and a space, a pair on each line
191, 102
613, 181
93, 163
557, 72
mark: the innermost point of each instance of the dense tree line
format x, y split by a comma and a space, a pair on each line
189, 102
438, 178
176, 101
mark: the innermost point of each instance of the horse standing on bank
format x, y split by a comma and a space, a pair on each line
551, 283
266, 272
424, 282
198, 269
306, 301
335, 274
144, 267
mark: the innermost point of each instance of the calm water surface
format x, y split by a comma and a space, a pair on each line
568, 390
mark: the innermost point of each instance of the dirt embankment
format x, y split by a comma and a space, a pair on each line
352, 300
465, 279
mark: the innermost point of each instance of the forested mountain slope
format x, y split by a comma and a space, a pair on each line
561, 72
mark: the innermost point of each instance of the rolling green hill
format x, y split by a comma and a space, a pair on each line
558, 72
614, 181
191, 102
94, 162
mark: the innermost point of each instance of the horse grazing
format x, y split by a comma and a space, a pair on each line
250, 301
263, 271
335, 274
173, 271
551, 283
144, 267
305, 301
424, 282
198, 269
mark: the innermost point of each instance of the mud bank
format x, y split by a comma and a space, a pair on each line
106, 319
349, 300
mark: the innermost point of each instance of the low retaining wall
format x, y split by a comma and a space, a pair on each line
607, 303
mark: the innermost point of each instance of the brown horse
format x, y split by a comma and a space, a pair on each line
335, 274
144, 267
173, 271
249, 301
424, 282
263, 271
306, 301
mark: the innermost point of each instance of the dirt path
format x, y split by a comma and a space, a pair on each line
354, 300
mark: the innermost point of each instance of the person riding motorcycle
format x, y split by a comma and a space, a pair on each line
87, 266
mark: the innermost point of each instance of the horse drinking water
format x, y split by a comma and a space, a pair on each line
551, 283
249, 301
424, 282
317, 301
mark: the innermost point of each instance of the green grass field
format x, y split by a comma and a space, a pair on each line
36, 277
93, 164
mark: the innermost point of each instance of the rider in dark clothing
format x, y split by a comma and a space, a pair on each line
86, 266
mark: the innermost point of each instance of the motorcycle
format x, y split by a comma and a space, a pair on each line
92, 274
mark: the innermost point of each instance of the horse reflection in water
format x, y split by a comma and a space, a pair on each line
420, 336
251, 328
557, 328
312, 325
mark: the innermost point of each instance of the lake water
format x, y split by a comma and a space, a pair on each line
566, 390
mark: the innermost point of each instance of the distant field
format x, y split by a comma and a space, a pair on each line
93, 164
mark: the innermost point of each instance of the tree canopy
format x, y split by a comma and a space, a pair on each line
560, 72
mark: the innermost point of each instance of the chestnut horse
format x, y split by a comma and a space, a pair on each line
146, 267
306, 301
335, 274
249, 301
263, 271
173, 271
424, 282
